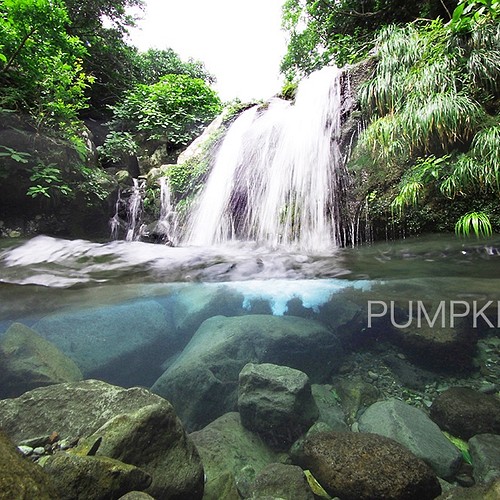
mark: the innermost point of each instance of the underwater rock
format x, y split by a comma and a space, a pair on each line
478, 492
359, 466
226, 448
113, 342
21, 478
276, 402
355, 394
485, 453
287, 482
413, 429
330, 411
135, 426
445, 349
93, 478
464, 412
29, 361
195, 304
202, 382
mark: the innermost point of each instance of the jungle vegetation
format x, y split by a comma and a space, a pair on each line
428, 157
64, 61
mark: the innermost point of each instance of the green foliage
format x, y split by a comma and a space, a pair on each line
19, 156
433, 110
172, 111
118, 146
477, 223
102, 27
41, 70
344, 31
49, 182
468, 13
154, 64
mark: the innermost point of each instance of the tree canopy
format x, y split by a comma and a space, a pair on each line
343, 31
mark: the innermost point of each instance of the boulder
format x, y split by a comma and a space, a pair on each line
330, 410
208, 368
413, 429
446, 349
355, 395
464, 412
29, 361
231, 456
21, 478
93, 478
276, 402
136, 495
121, 343
485, 453
358, 466
192, 305
478, 492
130, 425
286, 482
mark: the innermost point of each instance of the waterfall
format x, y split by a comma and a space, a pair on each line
276, 175
166, 227
134, 211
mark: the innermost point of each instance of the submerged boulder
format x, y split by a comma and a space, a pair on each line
112, 342
464, 412
130, 425
93, 478
29, 361
358, 466
202, 382
416, 431
276, 402
287, 482
485, 453
232, 456
21, 478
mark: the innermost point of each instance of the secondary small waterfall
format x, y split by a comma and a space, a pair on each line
166, 227
277, 174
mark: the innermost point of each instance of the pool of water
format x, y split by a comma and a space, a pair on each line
150, 299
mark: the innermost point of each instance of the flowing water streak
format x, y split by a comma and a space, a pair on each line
167, 223
134, 211
211, 222
274, 179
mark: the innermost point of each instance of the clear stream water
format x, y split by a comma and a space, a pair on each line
45, 274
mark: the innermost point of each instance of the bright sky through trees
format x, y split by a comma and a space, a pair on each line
240, 41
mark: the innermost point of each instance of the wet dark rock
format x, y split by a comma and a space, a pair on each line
29, 361
413, 429
356, 466
464, 412
134, 425
93, 478
330, 410
410, 376
230, 452
485, 453
20, 478
478, 492
443, 349
287, 482
276, 402
355, 395
208, 368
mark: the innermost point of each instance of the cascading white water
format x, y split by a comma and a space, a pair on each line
167, 223
134, 211
275, 176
